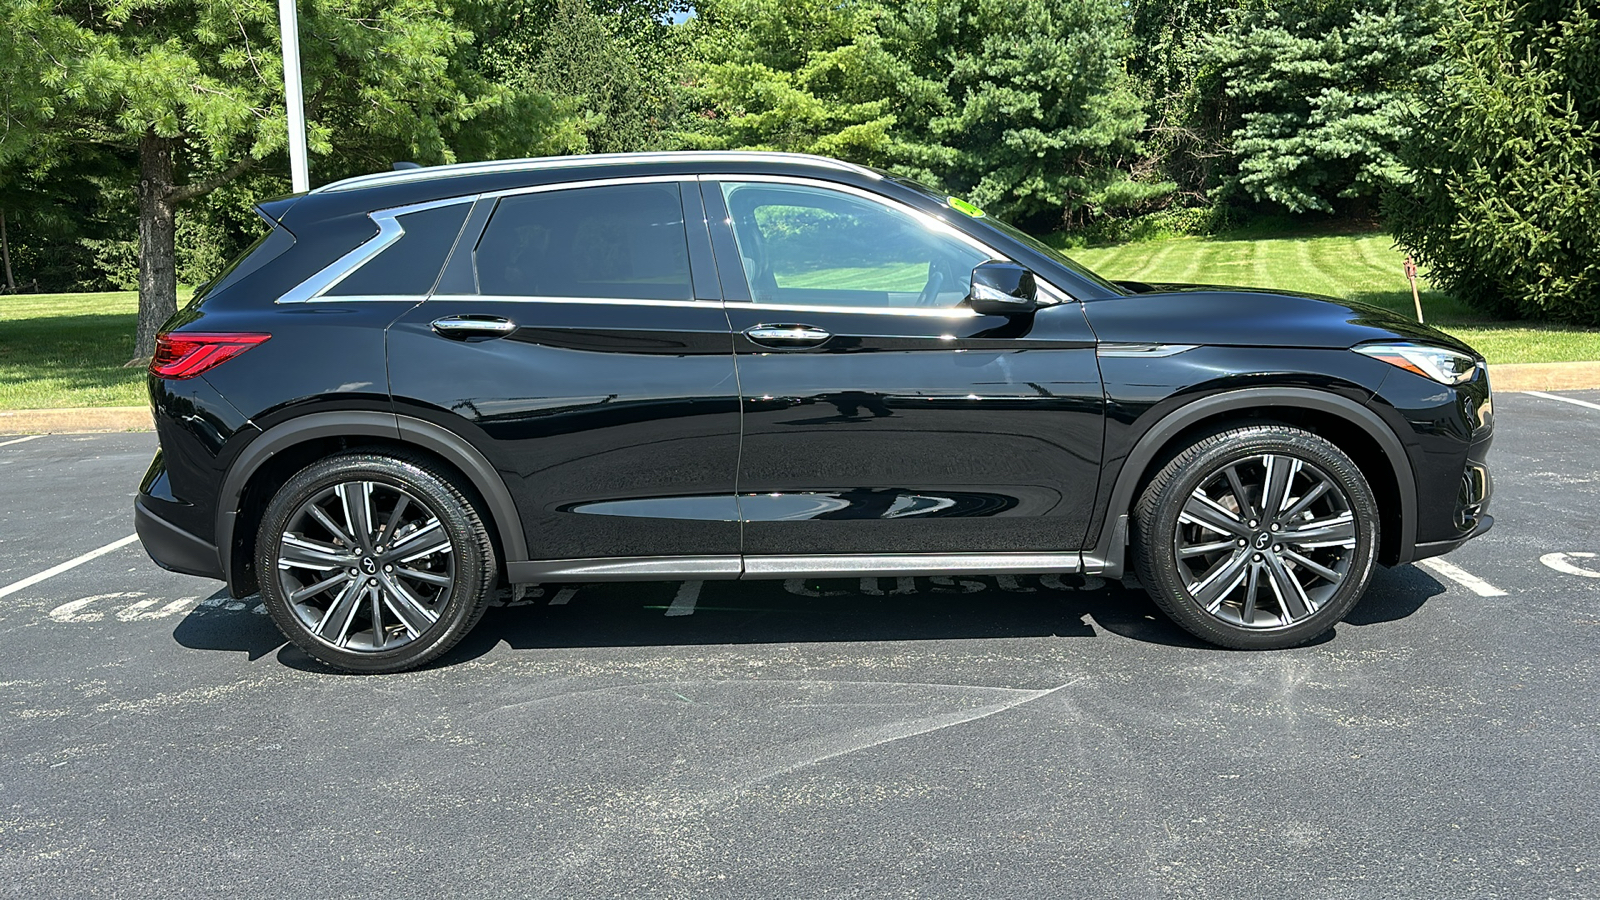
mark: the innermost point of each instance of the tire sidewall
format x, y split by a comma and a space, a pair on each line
474, 574
1157, 559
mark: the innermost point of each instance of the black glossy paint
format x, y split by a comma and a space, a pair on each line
585, 404
896, 406
197, 429
658, 429
1244, 317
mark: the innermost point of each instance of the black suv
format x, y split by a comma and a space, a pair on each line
422, 383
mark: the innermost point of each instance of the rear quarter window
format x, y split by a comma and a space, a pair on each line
410, 265
263, 250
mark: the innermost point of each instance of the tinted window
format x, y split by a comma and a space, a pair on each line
805, 245
265, 249
624, 241
410, 265
1023, 237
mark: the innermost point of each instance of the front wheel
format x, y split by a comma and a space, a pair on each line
1260, 537
374, 563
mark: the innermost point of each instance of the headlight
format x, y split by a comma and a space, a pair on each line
1443, 366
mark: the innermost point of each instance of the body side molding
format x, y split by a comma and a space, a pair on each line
625, 568
722, 568
1108, 556
911, 564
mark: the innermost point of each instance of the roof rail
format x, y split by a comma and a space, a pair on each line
427, 173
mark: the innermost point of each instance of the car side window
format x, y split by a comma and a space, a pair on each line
409, 266
615, 241
805, 245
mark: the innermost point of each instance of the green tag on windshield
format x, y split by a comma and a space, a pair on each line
962, 206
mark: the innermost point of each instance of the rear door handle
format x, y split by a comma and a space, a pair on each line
483, 327
786, 335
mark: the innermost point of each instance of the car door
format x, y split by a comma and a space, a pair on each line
577, 340
881, 415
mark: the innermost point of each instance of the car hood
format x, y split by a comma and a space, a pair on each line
1217, 315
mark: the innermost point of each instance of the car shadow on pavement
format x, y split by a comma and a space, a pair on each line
821, 611
1394, 594
655, 614
222, 623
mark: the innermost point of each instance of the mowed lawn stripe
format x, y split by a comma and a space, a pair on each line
1363, 267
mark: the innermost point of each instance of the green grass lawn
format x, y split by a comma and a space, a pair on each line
68, 350
1361, 267
901, 278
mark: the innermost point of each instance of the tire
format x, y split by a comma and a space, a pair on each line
1233, 576
374, 563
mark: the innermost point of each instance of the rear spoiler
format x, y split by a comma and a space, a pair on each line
275, 209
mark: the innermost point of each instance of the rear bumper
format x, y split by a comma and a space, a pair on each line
173, 548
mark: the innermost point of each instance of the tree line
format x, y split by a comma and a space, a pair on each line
136, 134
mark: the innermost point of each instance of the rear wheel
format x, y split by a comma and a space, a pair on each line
1257, 538
374, 563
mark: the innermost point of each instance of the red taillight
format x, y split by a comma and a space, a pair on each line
186, 354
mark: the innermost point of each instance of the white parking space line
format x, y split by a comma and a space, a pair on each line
53, 571
1462, 577
688, 595
563, 596
1573, 400
31, 437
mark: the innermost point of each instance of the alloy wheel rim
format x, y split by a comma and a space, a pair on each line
1264, 542
366, 566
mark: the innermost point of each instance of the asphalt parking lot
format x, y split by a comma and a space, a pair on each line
965, 737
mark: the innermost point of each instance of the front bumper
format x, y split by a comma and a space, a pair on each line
1440, 548
173, 548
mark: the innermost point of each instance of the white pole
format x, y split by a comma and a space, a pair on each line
289, 27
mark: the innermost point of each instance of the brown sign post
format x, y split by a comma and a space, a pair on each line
1411, 276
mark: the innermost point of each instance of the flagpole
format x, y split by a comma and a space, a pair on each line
293, 94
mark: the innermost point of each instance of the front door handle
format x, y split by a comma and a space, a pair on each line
786, 335
480, 327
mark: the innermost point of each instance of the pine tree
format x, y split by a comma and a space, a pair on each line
1024, 105
196, 88
1505, 162
1319, 95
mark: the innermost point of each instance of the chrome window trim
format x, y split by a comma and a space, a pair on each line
944, 312
389, 231
1054, 294
929, 312
314, 289
412, 299
580, 185
408, 176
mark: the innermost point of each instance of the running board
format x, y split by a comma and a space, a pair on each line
722, 568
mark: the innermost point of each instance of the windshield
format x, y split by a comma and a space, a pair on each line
1018, 235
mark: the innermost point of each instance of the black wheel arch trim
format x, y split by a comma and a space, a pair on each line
360, 423
1108, 556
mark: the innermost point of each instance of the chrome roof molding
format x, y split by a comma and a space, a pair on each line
427, 173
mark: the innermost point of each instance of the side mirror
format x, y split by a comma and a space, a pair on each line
1003, 289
